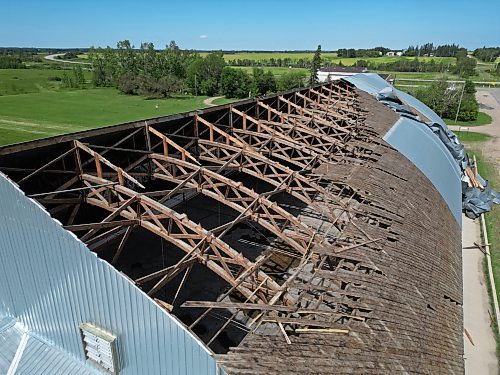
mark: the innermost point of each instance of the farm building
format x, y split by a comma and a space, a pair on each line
316, 231
333, 73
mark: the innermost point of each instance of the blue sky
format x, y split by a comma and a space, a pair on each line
252, 24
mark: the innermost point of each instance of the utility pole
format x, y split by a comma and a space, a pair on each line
460, 102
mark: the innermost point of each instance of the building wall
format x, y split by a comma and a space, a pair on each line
323, 76
51, 282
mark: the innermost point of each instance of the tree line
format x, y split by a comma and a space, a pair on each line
15, 58
464, 66
278, 62
152, 73
373, 52
406, 65
428, 49
487, 54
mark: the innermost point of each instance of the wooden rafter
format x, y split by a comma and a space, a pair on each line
186, 235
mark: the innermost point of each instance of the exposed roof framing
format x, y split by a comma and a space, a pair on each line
286, 168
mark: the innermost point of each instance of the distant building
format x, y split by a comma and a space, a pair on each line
399, 53
332, 73
390, 53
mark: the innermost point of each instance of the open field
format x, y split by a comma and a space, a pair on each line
23, 81
326, 57
43, 114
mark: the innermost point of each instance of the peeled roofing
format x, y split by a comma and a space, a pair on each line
419, 144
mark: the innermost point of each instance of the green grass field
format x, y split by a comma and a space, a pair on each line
24, 81
468, 137
482, 119
47, 113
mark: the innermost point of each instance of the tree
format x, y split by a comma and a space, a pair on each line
444, 100
264, 83
67, 81
126, 57
99, 77
79, 76
204, 74
316, 65
235, 83
470, 88
465, 66
291, 80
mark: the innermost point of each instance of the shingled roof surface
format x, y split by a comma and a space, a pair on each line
336, 254
407, 288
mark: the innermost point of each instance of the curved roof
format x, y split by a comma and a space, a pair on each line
411, 136
284, 233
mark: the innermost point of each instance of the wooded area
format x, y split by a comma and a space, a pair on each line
146, 71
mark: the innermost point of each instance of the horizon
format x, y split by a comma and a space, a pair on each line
277, 26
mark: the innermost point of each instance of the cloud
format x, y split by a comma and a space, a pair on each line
203, 36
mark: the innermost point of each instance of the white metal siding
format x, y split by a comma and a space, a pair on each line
51, 282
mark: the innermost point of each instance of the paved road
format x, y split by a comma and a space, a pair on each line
480, 358
53, 58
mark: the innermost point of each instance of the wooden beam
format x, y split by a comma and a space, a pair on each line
103, 160
111, 224
168, 142
45, 166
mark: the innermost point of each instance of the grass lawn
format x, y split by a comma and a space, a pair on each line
467, 137
482, 119
24, 81
44, 114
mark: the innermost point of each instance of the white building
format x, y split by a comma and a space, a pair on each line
333, 73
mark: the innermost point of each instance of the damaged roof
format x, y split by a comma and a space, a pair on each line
286, 233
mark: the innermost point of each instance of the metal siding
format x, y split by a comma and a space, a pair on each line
10, 337
418, 144
42, 358
51, 283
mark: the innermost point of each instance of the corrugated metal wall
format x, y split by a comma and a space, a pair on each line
51, 282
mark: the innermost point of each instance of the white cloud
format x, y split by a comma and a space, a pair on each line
203, 36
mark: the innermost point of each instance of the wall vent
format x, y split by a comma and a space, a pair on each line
100, 347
